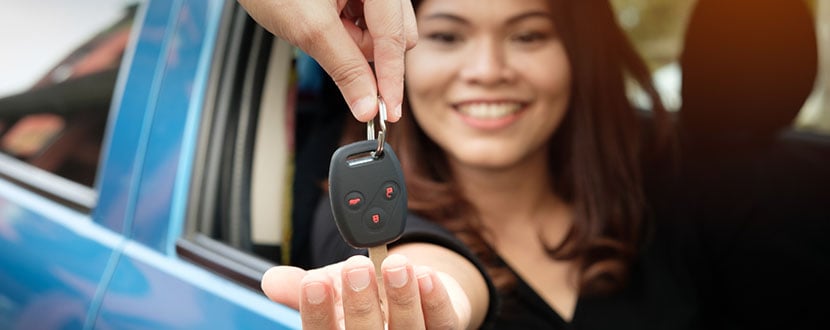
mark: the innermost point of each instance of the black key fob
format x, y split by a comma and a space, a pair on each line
367, 194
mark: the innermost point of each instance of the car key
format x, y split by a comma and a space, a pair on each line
368, 195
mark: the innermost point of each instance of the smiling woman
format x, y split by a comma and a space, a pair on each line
524, 157
522, 153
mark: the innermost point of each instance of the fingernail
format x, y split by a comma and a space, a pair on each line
398, 111
397, 277
315, 293
358, 279
424, 278
363, 107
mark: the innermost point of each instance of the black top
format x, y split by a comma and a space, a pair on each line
661, 293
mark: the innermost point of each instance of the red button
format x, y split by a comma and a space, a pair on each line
354, 200
375, 218
390, 190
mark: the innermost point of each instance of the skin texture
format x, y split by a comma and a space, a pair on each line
344, 36
490, 83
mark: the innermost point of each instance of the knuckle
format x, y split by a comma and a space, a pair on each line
314, 316
395, 40
347, 73
308, 34
433, 305
446, 324
404, 299
359, 309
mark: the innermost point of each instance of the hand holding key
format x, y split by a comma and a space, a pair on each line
368, 198
368, 194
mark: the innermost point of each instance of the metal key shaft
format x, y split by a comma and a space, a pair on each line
378, 253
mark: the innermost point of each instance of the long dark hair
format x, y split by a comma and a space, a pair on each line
595, 156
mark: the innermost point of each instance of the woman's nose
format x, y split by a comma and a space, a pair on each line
486, 63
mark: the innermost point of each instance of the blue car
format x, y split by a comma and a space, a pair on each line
123, 176
160, 156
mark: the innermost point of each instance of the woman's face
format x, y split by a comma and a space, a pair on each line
489, 80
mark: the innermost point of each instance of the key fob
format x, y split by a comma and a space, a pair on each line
367, 194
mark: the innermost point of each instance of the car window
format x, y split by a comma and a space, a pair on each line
240, 198
60, 62
272, 119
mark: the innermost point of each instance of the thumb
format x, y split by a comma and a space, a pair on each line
282, 285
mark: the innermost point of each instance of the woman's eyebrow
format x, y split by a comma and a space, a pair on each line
440, 16
530, 14
512, 20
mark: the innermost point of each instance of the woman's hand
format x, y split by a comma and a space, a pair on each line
345, 295
344, 36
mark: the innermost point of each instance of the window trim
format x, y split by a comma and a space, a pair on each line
234, 86
67, 192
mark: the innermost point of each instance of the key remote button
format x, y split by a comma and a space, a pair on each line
390, 190
375, 219
354, 200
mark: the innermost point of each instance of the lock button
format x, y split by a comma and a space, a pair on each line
375, 219
390, 190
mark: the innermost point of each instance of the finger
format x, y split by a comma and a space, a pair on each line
328, 41
361, 38
317, 302
280, 285
385, 21
353, 13
350, 70
435, 301
354, 22
314, 27
403, 297
409, 24
361, 308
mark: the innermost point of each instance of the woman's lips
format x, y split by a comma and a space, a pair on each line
489, 115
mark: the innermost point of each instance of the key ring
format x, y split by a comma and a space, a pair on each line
370, 129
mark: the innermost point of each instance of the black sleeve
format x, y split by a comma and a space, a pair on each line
327, 246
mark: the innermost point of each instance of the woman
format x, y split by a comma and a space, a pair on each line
523, 146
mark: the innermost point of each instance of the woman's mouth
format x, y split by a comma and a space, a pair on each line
490, 115
489, 110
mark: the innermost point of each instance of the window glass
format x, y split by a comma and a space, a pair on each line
59, 64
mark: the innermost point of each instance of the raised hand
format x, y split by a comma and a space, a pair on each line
344, 36
344, 295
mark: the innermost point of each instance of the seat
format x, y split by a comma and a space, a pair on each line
757, 194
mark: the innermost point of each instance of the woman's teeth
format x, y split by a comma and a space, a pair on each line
489, 110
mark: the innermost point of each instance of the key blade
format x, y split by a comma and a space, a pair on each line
377, 254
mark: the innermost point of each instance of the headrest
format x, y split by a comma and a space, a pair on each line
748, 66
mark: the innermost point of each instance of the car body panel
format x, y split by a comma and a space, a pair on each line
59, 257
115, 266
121, 163
152, 291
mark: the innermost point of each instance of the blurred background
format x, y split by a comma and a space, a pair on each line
657, 29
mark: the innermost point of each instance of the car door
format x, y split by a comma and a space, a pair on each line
60, 67
163, 278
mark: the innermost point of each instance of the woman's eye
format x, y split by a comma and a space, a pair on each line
441, 37
530, 37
